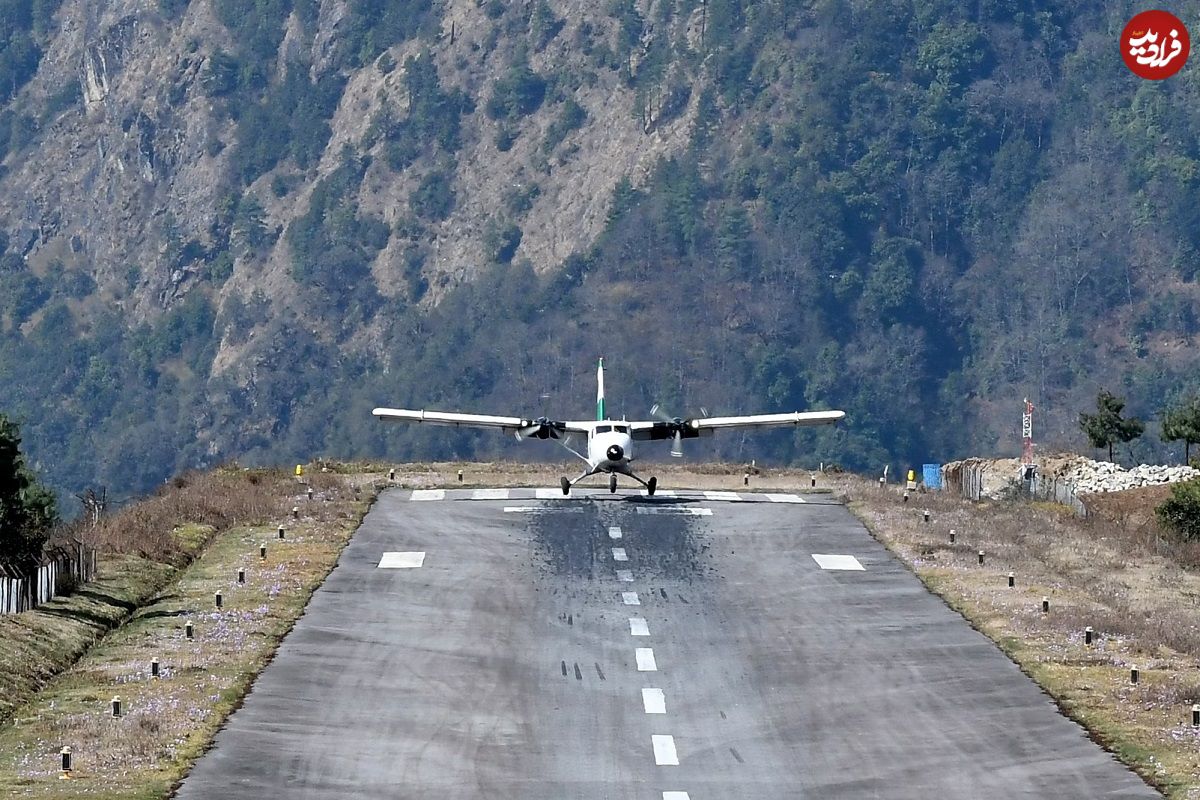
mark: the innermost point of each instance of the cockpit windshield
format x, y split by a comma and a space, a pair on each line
604, 428
621, 428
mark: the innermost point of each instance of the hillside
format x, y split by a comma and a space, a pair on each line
232, 227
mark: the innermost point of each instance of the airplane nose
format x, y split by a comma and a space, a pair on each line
615, 452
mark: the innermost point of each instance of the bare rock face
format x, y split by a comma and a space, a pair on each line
110, 185
130, 183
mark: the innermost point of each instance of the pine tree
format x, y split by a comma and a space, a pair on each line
1183, 422
27, 509
1106, 426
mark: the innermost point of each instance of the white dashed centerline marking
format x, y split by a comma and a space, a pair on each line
638, 627
630, 599
727, 496
625, 575
428, 494
664, 750
614, 532
402, 560
837, 562
695, 512
645, 659
619, 554
785, 498
654, 701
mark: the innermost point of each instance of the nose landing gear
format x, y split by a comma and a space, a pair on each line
612, 484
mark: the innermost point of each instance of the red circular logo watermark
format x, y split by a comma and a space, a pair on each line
1155, 45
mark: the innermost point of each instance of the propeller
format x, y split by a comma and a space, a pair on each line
676, 425
540, 428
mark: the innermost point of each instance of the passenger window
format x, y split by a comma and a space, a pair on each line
603, 428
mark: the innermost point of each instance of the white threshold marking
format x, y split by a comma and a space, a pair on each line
785, 498
665, 493
619, 554
548, 494
638, 627
428, 494
402, 560
654, 701
528, 509
664, 750
676, 796
625, 575
695, 512
614, 532
731, 496
630, 599
837, 562
645, 659
489, 494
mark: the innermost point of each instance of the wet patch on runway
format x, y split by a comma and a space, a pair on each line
571, 545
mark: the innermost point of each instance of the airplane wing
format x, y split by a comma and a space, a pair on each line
805, 418
651, 430
522, 427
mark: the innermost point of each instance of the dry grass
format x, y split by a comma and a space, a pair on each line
213, 500
1114, 571
142, 548
169, 721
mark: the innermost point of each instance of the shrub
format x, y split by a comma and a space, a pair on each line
1180, 513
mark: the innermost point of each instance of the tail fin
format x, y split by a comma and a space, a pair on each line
600, 391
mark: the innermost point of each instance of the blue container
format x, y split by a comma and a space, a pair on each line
932, 475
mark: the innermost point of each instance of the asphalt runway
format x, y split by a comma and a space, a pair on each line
626, 648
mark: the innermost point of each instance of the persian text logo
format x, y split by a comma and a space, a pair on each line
1155, 45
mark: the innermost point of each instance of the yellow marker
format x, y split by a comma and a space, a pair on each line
299, 470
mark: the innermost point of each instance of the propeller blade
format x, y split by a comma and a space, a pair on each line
657, 412
677, 445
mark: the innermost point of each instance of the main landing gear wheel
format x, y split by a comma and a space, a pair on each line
566, 486
612, 484
651, 485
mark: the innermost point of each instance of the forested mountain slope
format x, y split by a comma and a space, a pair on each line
231, 227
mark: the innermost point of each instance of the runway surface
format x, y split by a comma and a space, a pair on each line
504, 644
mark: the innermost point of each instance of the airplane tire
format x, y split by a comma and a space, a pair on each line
612, 484
566, 486
651, 485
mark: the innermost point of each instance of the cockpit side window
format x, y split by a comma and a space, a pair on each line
621, 428
603, 428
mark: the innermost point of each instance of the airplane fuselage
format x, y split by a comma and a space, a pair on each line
610, 446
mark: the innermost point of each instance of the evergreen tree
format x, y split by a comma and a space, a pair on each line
1106, 426
1180, 513
1183, 422
27, 509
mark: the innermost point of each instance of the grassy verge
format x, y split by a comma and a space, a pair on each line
36, 645
169, 721
1137, 591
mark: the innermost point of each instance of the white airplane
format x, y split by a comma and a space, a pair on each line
610, 442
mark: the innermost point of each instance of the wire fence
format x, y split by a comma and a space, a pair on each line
967, 477
60, 571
